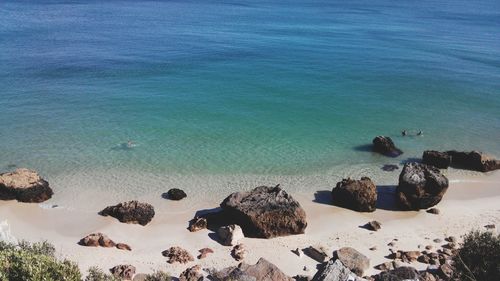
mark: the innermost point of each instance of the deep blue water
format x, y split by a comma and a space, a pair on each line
243, 87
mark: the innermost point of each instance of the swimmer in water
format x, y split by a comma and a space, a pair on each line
130, 144
420, 133
404, 133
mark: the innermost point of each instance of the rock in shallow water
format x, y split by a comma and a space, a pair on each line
385, 146
437, 159
264, 212
420, 186
474, 160
357, 195
130, 212
175, 194
24, 185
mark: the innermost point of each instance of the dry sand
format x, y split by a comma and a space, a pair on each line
470, 203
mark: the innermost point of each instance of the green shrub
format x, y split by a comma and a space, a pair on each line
96, 274
158, 276
478, 258
34, 262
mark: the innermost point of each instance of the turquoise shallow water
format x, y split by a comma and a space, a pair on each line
235, 88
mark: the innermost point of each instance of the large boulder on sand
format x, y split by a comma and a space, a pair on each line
130, 212
335, 270
357, 195
97, 239
24, 185
261, 271
474, 160
265, 212
441, 160
420, 186
386, 146
353, 260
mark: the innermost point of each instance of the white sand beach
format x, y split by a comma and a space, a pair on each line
471, 202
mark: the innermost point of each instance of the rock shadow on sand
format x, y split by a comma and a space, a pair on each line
386, 198
323, 197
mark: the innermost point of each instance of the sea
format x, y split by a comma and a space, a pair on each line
119, 100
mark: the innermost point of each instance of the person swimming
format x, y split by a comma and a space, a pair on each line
404, 133
420, 133
130, 144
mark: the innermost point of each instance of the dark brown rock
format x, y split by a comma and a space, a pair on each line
191, 274
123, 246
420, 186
175, 194
445, 271
357, 195
97, 239
352, 259
123, 271
265, 212
130, 212
198, 223
373, 225
204, 253
24, 185
474, 160
437, 159
385, 146
434, 211
177, 254
316, 253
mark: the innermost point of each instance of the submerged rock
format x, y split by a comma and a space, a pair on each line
420, 186
385, 146
264, 212
24, 185
357, 195
390, 167
130, 212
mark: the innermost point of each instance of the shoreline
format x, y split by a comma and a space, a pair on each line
470, 203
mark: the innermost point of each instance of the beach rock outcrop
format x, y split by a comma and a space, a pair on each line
177, 254
123, 271
474, 160
175, 194
420, 186
24, 185
130, 212
357, 195
191, 274
97, 239
386, 146
264, 212
441, 160
123, 246
335, 270
263, 270
353, 260
230, 235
